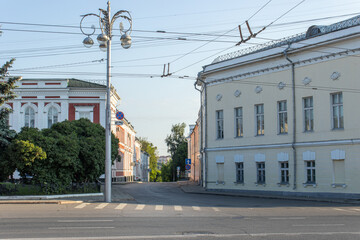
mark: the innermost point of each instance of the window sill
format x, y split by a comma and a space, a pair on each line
239, 183
220, 182
308, 131
335, 185
337, 129
310, 184
283, 184
282, 134
219, 139
260, 135
237, 137
260, 184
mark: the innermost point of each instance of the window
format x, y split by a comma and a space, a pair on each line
337, 111
308, 114
220, 173
260, 168
52, 116
310, 172
339, 171
84, 115
29, 117
259, 112
220, 124
284, 172
282, 117
239, 172
238, 122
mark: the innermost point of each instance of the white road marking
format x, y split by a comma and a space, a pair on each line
64, 228
196, 208
356, 209
101, 205
140, 207
121, 206
178, 208
318, 225
344, 210
216, 209
159, 207
287, 218
82, 205
74, 221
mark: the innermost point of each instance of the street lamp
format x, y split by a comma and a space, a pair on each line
104, 38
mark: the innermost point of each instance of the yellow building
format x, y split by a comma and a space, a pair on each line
282, 118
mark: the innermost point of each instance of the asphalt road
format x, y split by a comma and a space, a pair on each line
163, 211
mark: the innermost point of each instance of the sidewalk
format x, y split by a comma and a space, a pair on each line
117, 196
195, 188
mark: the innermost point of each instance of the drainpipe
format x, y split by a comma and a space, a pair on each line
203, 127
294, 112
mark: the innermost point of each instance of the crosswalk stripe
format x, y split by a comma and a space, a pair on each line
121, 206
101, 205
159, 207
178, 208
82, 205
215, 209
356, 209
196, 208
140, 207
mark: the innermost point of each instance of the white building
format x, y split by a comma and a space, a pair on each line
144, 166
281, 118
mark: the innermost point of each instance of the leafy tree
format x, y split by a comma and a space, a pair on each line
177, 147
6, 134
148, 147
166, 171
27, 157
7, 84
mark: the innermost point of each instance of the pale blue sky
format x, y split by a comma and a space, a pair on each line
151, 104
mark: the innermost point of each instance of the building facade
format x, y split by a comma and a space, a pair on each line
162, 160
281, 118
144, 166
42, 102
194, 152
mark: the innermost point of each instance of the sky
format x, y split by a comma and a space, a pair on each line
45, 38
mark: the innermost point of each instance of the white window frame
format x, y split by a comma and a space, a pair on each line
282, 117
284, 169
259, 120
84, 109
260, 173
54, 117
308, 112
312, 170
338, 156
337, 110
239, 124
239, 167
219, 124
31, 117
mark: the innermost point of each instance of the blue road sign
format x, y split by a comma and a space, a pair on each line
120, 115
188, 161
187, 167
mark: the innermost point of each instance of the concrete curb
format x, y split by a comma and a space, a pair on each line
46, 199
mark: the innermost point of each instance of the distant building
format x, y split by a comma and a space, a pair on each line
123, 170
194, 152
144, 166
42, 102
162, 160
281, 118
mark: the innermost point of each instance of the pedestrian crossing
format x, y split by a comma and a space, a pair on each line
139, 207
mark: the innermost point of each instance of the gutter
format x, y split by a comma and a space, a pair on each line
294, 112
203, 129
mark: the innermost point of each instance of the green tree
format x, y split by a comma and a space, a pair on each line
148, 147
27, 157
177, 147
6, 134
166, 171
7, 85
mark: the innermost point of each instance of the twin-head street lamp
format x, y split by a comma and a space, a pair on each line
104, 38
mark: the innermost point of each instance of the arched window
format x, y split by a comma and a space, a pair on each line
29, 117
52, 116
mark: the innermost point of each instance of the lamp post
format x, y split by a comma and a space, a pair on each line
106, 23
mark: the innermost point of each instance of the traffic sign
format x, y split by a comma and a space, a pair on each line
119, 123
188, 161
120, 115
187, 167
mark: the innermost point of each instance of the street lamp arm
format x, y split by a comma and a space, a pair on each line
93, 27
120, 14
